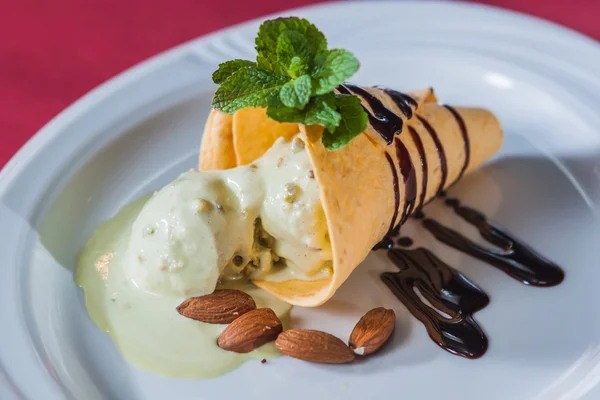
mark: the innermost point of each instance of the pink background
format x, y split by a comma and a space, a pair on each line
53, 52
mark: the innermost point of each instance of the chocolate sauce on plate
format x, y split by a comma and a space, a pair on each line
418, 215
404, 241
385, 243
516, 259
448, 291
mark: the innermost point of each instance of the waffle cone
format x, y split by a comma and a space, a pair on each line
365, 186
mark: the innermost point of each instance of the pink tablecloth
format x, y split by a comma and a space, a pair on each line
52, 52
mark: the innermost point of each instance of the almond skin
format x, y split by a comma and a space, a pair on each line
250, 331
314, 346
220, 307
372, 331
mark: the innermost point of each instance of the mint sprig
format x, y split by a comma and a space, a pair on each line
294, 77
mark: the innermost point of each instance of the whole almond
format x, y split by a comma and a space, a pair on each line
220, 307
372, 331
314, 346
250, 331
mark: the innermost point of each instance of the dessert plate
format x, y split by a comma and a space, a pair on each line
141, 129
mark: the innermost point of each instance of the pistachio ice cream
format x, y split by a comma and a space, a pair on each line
204, 229
253, 221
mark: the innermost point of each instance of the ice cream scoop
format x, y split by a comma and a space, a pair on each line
247, 221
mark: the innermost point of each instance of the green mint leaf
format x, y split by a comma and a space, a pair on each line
227, 69
353, 122
322, 111
298, 67
341, 115
268, 35
294, 77
293, 53
286, 114
248, 87
296, 93
331, 68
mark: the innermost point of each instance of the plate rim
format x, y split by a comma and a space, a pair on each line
44, 136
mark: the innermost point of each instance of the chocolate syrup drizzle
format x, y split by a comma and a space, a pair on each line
424, 167
396, 192
516, 259
383, 120
446, 289
404, 102
466, 141
389, 125
404, 241
407, 169
451, 292
440, 150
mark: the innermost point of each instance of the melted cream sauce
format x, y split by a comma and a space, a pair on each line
145, 327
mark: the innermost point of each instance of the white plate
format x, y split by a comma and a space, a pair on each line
142, 128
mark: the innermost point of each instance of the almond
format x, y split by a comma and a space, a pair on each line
314, 346
220, 307
250, 331
372, 331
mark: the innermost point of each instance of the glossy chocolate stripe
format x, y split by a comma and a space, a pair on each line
396, 191
387, 124
407, 169
403, 101
424, 167
441, 153
383, 120
466, 141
